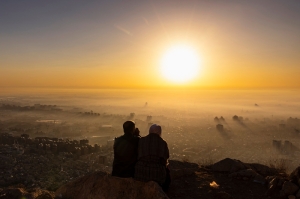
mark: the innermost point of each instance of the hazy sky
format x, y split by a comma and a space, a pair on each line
119, 44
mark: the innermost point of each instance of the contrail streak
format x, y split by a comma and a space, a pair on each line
123, 30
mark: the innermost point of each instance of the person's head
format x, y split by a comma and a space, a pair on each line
129, 127
156, 129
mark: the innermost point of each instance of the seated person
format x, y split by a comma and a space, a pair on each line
126, 151
153, 154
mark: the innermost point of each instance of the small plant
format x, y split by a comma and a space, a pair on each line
206, 161
281, 165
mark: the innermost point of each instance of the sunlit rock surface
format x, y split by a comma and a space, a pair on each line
101, 185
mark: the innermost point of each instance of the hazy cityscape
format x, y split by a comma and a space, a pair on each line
46, 145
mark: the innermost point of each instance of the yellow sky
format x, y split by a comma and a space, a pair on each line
240, 44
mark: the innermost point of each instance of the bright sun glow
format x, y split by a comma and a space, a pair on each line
180, 64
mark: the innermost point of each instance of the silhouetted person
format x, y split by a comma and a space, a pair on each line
153, 158
126, 151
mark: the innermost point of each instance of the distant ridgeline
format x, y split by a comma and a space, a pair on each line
41, 107
30, 108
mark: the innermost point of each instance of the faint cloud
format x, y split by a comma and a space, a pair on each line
123, 30
145, 20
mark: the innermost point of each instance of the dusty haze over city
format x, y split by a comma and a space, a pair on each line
187, 117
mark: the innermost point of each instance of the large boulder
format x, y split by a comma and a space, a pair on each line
248, 173
179, 173
181, 169
175, 164
262, 169
229, 165
100, 185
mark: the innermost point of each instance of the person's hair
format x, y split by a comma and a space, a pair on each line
156, 129
128, 126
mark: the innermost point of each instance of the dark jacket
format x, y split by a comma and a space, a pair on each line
125, 155
153, 155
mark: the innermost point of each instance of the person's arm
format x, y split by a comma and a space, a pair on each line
137, 132
167, 155
164, 160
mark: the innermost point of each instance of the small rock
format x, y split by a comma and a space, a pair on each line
289, 188
274, 182
259, 179
292, 197
214, 185
269, 178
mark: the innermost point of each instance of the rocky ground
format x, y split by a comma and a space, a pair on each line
226, 179
198, 183
230, 179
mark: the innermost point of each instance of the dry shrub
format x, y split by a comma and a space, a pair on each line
206, 162
281, 165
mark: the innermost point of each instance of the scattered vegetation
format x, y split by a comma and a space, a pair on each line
206, 161
281, 165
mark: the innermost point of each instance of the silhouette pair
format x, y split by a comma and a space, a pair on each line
143, 158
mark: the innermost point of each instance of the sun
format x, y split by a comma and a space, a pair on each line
180, 64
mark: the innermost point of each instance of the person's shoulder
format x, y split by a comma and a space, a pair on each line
117, 139
136, 138
120, 137
164, 141
128, 138
144, 138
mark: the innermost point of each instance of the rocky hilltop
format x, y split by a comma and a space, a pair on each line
226, 179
